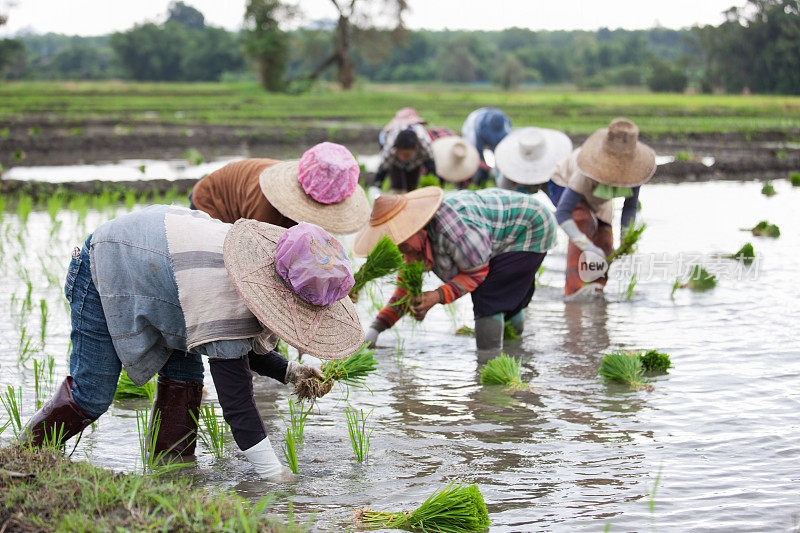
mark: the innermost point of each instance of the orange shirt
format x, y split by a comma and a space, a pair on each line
233, 192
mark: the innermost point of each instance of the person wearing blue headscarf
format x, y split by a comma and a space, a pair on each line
485, 128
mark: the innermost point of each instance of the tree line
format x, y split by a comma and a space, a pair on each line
756, 49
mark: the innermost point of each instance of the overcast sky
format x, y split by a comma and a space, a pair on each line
97, 17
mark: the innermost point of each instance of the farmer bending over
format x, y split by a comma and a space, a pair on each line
485, 128
611, 163
321, 188
488, 243
155, 290
403, 157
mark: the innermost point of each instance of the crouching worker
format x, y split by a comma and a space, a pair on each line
489, 243
155, 290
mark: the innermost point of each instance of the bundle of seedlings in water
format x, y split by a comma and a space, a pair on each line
351, 371
746, 254
700, 280
622, 367
765, 229
768, 189
384, 259
127, 389
410, 279
289, 448
628, 242
655, 361
509, 332
465, 331
503, 370
794, 179
297, 420
453, 509
211, 430
360, 431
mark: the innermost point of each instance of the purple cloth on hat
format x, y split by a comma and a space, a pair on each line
313, 264
328, 173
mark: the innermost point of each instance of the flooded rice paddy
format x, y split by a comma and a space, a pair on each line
714, 446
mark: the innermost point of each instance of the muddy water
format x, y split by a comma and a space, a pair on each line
713, 446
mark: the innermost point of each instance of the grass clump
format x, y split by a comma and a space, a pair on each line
768, 190
622, 367
765, 229
360, 431
628, 242
503, 370
385, 258
49, 492
127, 389
453, 509
794, 179
655, 361
351, 371
746, 254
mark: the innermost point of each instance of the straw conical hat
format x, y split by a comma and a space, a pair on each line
456, 160
614, 156
399, 216
529, 155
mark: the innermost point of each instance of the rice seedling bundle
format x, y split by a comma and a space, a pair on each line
127, 389
466, 331
503, 370
628, 242
351, 371
410, 279
768, 189
765, 229
427, 180
360, 431
700, 279
622, 367
794, 179
655, 361
746, 254
384, 259
509, 332
290, 451
212, 430
453, 509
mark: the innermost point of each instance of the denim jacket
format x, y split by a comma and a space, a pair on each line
132, 270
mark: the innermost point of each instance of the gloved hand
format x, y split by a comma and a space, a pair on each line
371, 336
265, 461
296, 372
579, 238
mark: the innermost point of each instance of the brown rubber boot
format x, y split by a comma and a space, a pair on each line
60, 417
176, 401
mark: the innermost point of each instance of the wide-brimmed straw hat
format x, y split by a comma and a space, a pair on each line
321, 188
528, 156
456, 160
266, 273
614, 156
399, 216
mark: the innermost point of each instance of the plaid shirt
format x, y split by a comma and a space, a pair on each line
471, 227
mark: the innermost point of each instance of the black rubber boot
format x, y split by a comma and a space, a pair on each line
176, 402
60, 419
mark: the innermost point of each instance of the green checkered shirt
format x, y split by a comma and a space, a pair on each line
471, 227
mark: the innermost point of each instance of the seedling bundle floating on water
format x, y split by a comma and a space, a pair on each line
503, 370
628, 367
628, 242
655, 361
768, 189
794, 179
746, 254
700, 280
384, 259
765, 229
453, 509
351, 371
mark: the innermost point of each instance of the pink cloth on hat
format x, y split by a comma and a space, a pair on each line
328, 173
313, 264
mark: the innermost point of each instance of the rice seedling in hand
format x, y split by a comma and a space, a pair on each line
428, 180
628, 242
127, 389
453, 509
765, 229
768, 190
410, 279
11, 401
503, 370
360, 431
211, 430
385, 258
655, 361
290, 451
622, 367
794, 179
746, 254
351, 371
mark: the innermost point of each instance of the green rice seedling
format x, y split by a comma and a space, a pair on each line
627, 294
142, 168
466, 331
384, 259
38, 383
127, 389
352, 371
193, 156
55, 437
19, 156
428, 180
55, 204
453, 509
628, 242
410, 279
675, 286
26, 347
152, 462
746, 254
622, 367
768, 189
765, 229
80, 204
76, 131
503, 370
655, 361
11, 401
44, 315
211, 430
290, 451
282, 348
360, 431
509, 332
794, 179
297, 420
130, 199
34, 131
24, 207
700, 279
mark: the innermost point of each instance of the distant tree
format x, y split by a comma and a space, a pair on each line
12, 58
210, 53
511, 73
665, 76
186, 15
151, 52
265, 42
